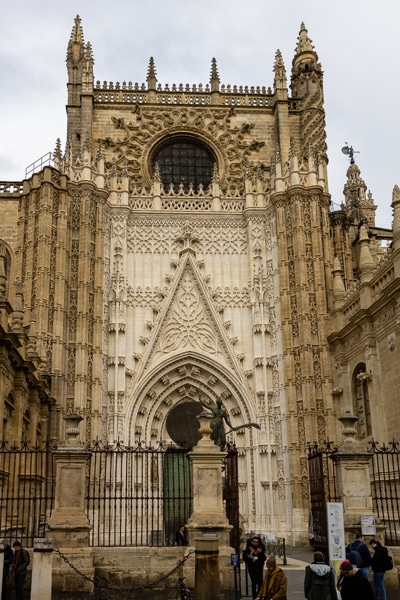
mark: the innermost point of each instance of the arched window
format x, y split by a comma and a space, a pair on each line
361, 405
186, 161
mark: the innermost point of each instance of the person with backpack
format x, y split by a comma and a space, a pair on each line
19, 567
358, 554
381, 562
319, 580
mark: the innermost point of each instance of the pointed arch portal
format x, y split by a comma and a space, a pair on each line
165, 405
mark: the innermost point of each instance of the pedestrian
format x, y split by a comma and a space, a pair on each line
319, 580
274, 586
254, 557
379, 567
359, 555
355, 586
341, 576
19, 568
180, 536
8, 558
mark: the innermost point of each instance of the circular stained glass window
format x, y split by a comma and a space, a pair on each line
185, 161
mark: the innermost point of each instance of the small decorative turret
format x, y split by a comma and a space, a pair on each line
396, 217
338, 285
214, 76
359, 206
151, 75
280, 81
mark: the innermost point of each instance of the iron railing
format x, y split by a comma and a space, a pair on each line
385, 484
137, 495
27, 480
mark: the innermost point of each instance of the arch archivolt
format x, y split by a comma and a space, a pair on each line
181, 379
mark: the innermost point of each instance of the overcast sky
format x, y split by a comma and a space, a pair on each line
357, 43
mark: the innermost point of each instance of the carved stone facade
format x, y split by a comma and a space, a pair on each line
136, 293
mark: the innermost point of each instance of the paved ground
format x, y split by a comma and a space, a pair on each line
297, 560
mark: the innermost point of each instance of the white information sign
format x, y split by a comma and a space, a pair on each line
368, 525
336, 542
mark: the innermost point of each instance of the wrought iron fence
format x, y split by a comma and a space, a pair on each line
385, 484
137, 495
26, 490
322, 480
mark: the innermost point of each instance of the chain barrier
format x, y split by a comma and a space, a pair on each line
122, 590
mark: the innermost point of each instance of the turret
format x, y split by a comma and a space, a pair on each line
306, 70
80, 87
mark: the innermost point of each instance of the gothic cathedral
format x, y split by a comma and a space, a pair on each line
185, 246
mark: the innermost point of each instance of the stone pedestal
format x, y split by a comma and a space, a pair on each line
208, 524
68, 523
353, 478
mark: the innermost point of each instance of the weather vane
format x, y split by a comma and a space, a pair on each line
349, 151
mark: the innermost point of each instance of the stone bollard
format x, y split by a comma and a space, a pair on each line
207, 576
42, 568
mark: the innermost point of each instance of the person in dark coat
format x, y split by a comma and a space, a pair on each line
254, 557
355, 586
319, 580
8, 558
274, 586
19, 568
379, 567
365, 555
180, 536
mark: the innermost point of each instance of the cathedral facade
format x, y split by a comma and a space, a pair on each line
185, 247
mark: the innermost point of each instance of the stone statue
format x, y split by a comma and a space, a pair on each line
220, 415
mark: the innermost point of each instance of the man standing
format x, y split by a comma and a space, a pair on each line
355, 586
358, 554
180, 536
20, 567
379, 567
8, 558
319, 580
254, 557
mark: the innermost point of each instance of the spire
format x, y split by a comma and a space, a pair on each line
306, 70
76, 43
214, 76
151, 75
57, 155
304, 44
280, 81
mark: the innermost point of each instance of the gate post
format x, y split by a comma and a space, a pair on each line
208, 519
68, 523
353, 477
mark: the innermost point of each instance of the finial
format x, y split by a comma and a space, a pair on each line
280, 72
76, 42
214, 76
151, 75
214, 71
349, 151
